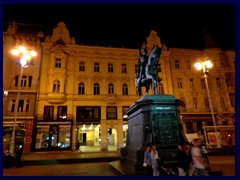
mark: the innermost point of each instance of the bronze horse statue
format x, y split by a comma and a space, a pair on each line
147, 71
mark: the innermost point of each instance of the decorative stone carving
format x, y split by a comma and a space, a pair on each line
96, 78
124, 79
82, 77
61, 32
111, 99
110, 79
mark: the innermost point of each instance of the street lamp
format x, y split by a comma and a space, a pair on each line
25, 55
205, 65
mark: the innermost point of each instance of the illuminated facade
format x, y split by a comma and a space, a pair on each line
80, 93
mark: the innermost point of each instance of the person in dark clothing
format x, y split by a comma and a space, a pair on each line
182, 164
7, 158
19, 157
78, 146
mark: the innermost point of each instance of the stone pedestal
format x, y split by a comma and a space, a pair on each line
154, 120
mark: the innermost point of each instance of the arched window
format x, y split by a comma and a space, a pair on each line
81, 88
124, 89
56, 86
96, 89
110, 88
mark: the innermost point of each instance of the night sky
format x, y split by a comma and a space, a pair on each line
178, 26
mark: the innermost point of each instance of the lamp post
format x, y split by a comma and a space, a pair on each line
25, 55
205, 65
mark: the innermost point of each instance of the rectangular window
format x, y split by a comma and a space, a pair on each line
48, 113
62, 112
189, 127
218, 82
81, 66
58, 63
24, 81
29, 81
177, 64
13, 105
110, 67
188, 65
16, 81
124, 68
96, 67
179, 83
91, 113
27, 105
111, 112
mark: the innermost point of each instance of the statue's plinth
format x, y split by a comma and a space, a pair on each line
154, 120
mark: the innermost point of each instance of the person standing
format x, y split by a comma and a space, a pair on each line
147, 159
19, 156
154, 160
182, 163
199, 161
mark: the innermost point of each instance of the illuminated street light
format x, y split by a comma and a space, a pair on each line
205, 65
25, 55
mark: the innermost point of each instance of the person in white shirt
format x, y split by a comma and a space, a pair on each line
154, 160
199, 161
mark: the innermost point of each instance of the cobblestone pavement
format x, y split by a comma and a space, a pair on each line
81, 169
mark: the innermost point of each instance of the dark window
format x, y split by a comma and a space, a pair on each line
62, 112
177, 64
88, 113
191, 83
160, 88
189, 127
179, 83
81, 66
24, 81
16, 81
111, 112
56, 86
110, 88
13, 105
81, 88
58, 63
124, 89
218, 82
96, 89
96, 67
48, 112
124, 68
27, 105
29, 81
110, 67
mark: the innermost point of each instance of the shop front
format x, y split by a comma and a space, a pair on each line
54, 135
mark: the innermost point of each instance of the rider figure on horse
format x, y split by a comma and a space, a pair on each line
147, 72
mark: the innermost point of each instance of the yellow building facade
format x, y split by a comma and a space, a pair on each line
80, 93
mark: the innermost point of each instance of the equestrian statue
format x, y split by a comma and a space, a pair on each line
147, 71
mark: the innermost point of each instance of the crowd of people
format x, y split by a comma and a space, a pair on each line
192, 160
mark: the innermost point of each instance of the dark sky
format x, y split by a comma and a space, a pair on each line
179, 26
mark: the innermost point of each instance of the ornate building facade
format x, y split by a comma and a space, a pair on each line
73, 92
